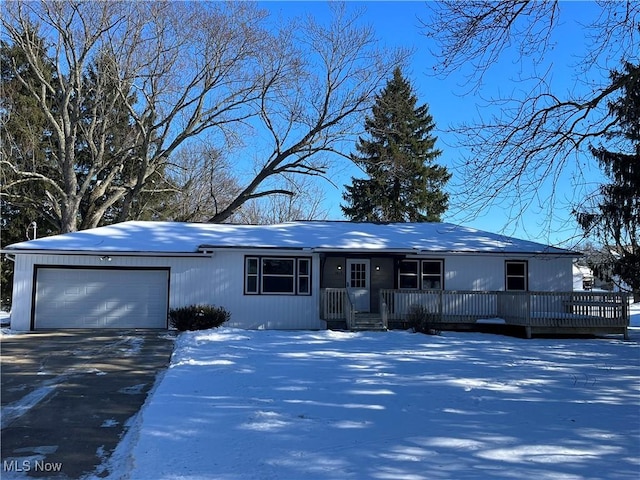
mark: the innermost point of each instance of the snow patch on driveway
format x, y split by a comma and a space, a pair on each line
13, 411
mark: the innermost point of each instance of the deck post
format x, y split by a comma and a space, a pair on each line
625, 313
527, 331
527, 315
384, 314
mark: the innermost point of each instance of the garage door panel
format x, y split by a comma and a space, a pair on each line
95, 298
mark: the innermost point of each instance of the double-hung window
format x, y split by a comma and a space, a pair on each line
408, 274
251, 275
516, 275
432, 274
421, 274
277, 276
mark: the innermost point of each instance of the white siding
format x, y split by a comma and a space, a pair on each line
470, 272
22, 284
551, 274
487, 272
221, 281
217, 280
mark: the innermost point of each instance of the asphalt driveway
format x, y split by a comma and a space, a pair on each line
67, 396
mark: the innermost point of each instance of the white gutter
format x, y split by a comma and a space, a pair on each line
510, 253
347, 251
106, 253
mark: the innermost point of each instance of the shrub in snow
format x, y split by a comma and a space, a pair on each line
197, 317
422, 320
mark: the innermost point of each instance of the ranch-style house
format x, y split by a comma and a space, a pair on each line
303, 275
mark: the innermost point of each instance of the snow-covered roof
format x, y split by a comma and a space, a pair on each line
173, 237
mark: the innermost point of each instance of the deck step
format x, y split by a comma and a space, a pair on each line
367, 322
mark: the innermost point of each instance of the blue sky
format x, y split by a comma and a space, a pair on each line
398, 24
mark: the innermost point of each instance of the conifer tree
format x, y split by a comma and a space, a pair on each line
398, 154
615, 220
23, 138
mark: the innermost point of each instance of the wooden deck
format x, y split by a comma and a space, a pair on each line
537, 313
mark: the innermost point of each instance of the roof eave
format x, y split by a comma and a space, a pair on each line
103, 253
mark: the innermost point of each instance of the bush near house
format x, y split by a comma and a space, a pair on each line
198, 317
422, 320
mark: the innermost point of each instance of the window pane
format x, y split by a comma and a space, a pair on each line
407, 281
515, 283
252, 284
431, 268
516, 269
303, 285
431, 283
409, 267
303, 266
252, 266
277, 266
277, 284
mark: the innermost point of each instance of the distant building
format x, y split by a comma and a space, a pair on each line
582, 277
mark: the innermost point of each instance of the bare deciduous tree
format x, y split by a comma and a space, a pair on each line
327, 77
203, 181
191, 68
304, 203
184, 71
538, 131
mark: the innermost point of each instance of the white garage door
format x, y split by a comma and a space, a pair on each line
101, 298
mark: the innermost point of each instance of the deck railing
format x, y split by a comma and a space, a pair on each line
350, 312
336, 305
541, 311
565, 308
460, 306
518, 308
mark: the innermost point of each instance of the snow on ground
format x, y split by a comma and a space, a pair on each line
238, 404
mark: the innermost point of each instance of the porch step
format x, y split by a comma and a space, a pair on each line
368, 322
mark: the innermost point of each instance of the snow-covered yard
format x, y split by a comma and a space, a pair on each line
241, 404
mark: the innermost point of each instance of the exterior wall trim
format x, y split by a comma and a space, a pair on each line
108, 253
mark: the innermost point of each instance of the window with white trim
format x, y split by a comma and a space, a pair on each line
432, 274
421, 274
251, 275
304, 276
516, 275
408, 274
277, 276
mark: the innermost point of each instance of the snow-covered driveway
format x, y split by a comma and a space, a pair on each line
331, 405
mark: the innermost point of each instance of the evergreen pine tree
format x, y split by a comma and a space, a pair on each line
616, 219
403, 184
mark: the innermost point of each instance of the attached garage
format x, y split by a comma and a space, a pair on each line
100, 297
